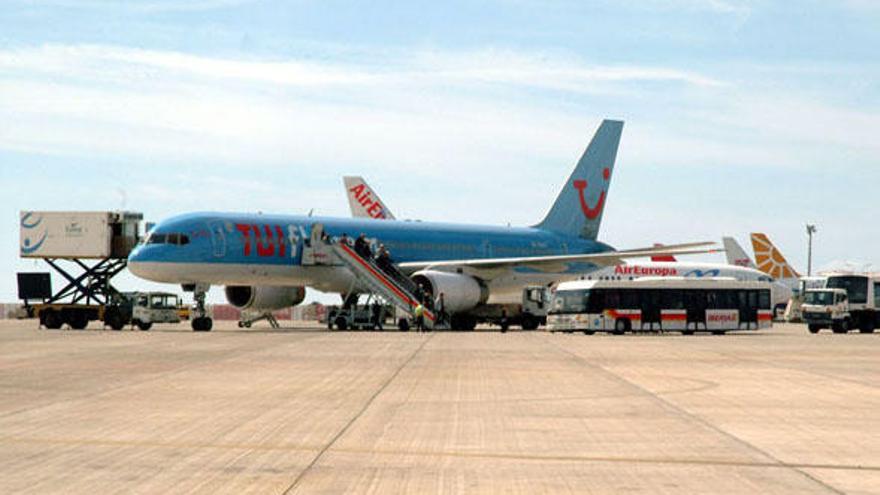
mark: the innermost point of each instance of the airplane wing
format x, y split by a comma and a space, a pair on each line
488, 267
363, 201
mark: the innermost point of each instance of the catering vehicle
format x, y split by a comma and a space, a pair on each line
716, 305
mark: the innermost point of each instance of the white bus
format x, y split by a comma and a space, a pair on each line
660, 304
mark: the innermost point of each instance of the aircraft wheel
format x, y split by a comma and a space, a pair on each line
202, 324
621, 326
814, 328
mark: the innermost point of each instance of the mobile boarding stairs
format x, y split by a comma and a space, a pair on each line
392, 285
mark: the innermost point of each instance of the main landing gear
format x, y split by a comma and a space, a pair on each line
201, 321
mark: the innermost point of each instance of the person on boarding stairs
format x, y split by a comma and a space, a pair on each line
362, 247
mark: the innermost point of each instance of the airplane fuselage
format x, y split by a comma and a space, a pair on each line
258, 249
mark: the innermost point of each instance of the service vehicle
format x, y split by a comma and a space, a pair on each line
848, 301
660, 305
154, 307
826, 308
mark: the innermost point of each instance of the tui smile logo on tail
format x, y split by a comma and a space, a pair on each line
581, 185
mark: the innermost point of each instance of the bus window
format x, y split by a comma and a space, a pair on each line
596, 302
612, 299
629, 298
877, 294
712, 300
764, 299
727, 299
753, 299
742, 299
672, 299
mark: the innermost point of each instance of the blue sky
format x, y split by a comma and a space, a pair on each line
740, 116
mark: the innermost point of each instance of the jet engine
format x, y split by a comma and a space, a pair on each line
264, 298
460, 292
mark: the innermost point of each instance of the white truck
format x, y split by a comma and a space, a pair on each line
848, 302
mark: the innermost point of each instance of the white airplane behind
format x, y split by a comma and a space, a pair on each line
736, 255
363, 201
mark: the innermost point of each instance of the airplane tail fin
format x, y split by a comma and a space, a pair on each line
736, 255
665, 258
770, 259
363, 201
578, 208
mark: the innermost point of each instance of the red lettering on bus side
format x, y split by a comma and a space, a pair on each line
246, 232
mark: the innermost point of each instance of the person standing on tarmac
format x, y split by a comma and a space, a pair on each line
419, 313
377, 315
440, 308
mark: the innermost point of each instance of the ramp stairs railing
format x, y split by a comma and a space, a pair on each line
389, 283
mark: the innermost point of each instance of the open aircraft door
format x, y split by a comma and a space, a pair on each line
316, 250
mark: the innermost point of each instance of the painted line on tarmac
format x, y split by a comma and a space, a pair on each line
357, 416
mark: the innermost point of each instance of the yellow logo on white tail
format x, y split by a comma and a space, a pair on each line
770, 260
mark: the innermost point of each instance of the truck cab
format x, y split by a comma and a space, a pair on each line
154, 307
827, 308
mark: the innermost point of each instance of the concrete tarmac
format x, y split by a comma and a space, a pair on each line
312, 411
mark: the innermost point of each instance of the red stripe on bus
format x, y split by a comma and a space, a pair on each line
614, 314
674, 317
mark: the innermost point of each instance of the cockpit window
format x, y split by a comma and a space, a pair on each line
172, 238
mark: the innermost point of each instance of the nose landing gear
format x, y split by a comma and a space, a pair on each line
201, 322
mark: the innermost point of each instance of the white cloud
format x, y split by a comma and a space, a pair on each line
492, 109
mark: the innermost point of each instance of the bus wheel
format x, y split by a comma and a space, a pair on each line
687, 332
589, 332
814, 328
621, 326
718, 332
866, 330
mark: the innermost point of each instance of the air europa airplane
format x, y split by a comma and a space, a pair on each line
266, 261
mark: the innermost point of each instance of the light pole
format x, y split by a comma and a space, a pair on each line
811, 229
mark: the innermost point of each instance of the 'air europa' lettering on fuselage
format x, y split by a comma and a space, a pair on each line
268, 241
645, 271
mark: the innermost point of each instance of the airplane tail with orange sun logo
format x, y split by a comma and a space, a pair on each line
770, 260
578, 208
